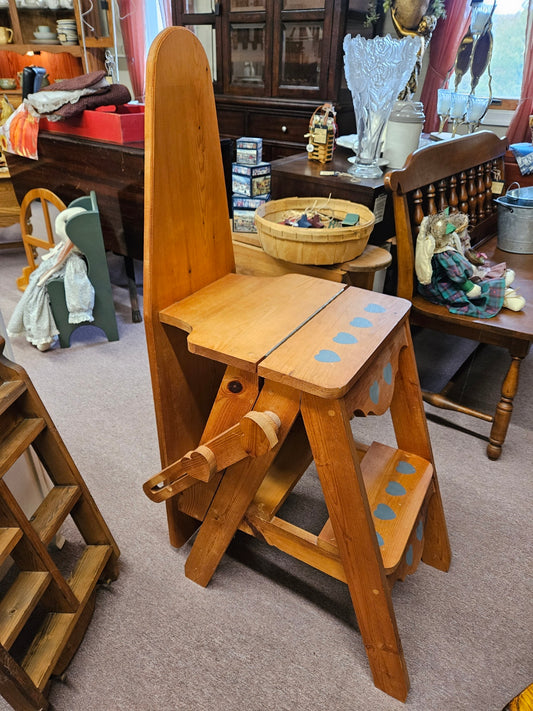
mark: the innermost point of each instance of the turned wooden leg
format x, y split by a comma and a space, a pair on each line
328, 428
504, 409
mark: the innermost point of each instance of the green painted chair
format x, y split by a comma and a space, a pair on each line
85, 231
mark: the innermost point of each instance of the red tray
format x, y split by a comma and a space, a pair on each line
123, 124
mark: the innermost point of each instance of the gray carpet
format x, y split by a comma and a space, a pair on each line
268, 632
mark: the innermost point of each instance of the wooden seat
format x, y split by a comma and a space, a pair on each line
459, 175
254, 377
30, 240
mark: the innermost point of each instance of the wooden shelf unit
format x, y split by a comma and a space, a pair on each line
44, 612
24, 21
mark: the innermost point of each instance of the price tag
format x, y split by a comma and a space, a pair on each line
320, 136
379, 207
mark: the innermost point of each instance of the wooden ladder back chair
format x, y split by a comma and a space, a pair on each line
31, 242
253, 377
459, 175
85, 231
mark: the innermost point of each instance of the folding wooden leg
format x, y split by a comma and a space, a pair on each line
235, 397
412, 435
328, 427
237, 489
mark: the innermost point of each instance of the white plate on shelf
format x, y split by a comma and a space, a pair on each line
45, 41
350, 141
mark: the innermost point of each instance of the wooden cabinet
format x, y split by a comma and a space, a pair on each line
94, 27
273, 62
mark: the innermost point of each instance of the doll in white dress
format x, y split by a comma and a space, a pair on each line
33, 315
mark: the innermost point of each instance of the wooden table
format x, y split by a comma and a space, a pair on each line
250, 258
297, 176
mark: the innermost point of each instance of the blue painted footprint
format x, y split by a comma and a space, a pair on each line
345, 338
326, 356
404, 467
360, 322
375, 309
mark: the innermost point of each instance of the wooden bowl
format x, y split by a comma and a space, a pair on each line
309, 245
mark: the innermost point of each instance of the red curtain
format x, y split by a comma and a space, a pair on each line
443, 47
519, 128
132, 27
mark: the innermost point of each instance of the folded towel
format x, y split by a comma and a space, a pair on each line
117, 94
84, 81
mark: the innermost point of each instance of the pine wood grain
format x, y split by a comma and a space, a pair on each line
238, 320
295, 361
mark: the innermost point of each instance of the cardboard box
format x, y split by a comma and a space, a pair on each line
125, 124
249, 150
244, 210
251, 180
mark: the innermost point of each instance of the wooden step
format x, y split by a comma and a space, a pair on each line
88, 570
53, 510
19, 602
9, 537
396, 484
54, 634
10, 390
18, 440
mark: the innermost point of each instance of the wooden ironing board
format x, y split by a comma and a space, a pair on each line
253, 377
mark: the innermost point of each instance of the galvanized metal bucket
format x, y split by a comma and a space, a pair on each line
515, 221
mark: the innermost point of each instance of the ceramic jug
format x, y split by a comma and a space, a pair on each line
6, 35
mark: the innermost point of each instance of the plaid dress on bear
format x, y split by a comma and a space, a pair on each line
451, 270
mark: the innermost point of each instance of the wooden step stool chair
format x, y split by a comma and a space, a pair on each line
85, 231
43, 613
253, 377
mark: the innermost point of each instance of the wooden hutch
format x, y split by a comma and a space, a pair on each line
273, 62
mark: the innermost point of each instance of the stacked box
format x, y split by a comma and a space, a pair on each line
250, 183
249, 150
244, 210
251, 180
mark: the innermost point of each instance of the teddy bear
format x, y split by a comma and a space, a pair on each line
465, 285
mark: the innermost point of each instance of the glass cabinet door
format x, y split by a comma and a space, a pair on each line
301, 52
207, 36
200, 17
199, 7
247, 51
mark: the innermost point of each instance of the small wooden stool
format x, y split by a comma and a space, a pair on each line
254, 377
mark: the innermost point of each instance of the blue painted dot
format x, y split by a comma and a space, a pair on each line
326, 356
375, 309
360, 322
387, 373
395, 489
380, 538
374, 392
384, 512
409, 556
343, 337
420, 530
404, 467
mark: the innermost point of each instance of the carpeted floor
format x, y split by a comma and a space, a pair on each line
268, 632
